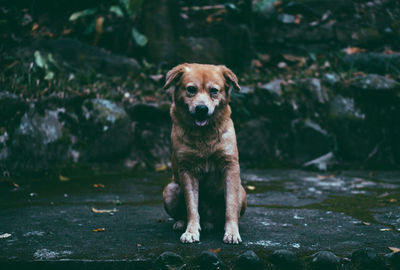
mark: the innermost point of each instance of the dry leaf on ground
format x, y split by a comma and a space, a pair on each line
99, 230
353, 50
251, 188
394, 249
104, 211
215, 251
63, 178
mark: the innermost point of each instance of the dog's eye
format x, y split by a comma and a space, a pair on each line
191, 89
213, 91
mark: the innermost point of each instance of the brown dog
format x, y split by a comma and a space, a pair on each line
205, 164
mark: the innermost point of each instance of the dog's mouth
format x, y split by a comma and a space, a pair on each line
201, 123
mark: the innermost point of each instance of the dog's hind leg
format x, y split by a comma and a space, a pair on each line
174, 204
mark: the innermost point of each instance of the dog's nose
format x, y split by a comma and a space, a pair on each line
201, 110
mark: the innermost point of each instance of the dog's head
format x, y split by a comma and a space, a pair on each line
201, 91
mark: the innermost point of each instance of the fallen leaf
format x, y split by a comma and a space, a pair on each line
99, 24
99, 230
264, 57
392, 200
48, 34
63, 178
35, 26
98, 185
102, 211
321, 177
366, 223
389, 51
256, 63
16, 185
251, 188
298, 19
66, 31
209, 19
394, 249
215, 251
156, 77
5, 235
161, 167
353, 50
359, 73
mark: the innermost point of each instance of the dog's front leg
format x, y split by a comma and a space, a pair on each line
233, 205
191, 191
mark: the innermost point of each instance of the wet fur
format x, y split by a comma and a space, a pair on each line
206, 182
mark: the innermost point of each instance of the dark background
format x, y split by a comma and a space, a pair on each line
81, 81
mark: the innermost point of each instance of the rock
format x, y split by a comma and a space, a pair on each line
373, 82
323, 162
12, 108
154, 113
203, 50
210, 261
313, 85
246, 89
286, 18
249, 260
47, 128
36, 142
310, 140
108, 131
344, 107
380, 63
366, 259
274, 87
252, 137
330, 79
394, 260
367, 37
78, 56
285, 260
3, 145
106, 112
325, 260
168, 261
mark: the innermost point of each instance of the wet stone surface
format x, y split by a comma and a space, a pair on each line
302, 212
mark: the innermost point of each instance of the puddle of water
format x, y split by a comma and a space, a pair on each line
358, 206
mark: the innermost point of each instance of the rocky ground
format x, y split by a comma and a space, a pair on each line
295, 220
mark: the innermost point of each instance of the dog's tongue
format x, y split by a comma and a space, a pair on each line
200, 123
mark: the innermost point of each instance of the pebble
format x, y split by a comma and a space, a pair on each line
366, 259
285, 260
249, 260
168, 259
393, 259
210, 261
325, 260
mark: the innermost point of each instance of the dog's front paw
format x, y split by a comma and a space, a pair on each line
232, 235
190, 237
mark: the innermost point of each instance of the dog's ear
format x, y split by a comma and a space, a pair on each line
173, 75
230, 77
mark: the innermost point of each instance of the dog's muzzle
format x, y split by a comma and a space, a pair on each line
201, 115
